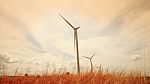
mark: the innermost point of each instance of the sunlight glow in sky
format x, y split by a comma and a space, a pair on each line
33, 36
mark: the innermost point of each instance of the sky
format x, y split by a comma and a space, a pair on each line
33, 37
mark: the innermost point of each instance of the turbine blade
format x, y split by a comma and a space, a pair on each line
67, 21
86, 57
92, 56
74, 39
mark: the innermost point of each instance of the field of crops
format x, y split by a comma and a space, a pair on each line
83, 78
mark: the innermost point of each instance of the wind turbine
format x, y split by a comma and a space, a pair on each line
100, 68
75, 42
16, 71
90, 58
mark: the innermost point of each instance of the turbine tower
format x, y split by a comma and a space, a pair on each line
100, 68
75, 42
90, 58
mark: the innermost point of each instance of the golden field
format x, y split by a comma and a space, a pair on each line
83, 78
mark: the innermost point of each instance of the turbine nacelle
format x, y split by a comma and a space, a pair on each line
89, 57
76, 28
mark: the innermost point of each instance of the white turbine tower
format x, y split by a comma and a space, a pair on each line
75, 42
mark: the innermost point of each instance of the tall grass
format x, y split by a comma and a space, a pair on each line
83, 78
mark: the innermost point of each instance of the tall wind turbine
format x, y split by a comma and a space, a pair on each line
75, 42
90, 58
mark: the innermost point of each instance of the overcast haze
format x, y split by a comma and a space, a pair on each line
33, 36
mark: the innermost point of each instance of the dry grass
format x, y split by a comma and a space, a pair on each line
83, 78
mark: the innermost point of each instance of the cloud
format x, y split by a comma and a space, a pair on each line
136, 57
126, 16
19, 25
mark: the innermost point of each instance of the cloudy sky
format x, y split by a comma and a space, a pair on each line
34, 37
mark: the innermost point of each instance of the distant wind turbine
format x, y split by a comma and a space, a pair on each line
75, 42
90, 58
100, 68
16, 71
